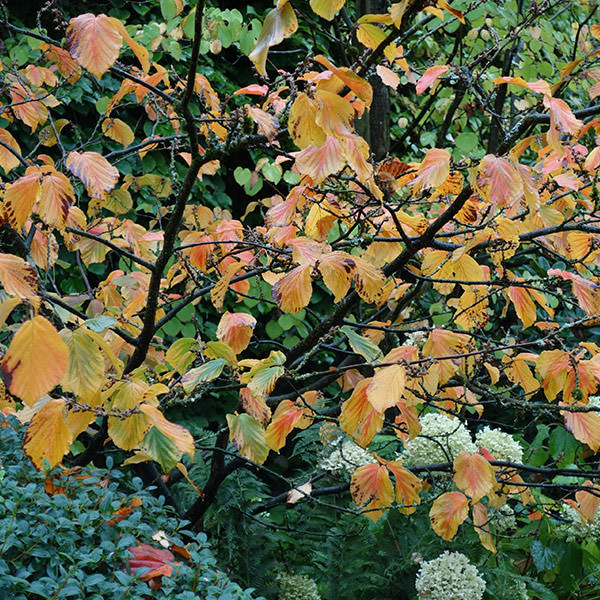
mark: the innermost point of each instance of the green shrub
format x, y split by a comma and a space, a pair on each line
71, 544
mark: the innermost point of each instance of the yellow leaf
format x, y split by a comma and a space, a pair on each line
358, 418
481, 525
302, 123
337, 269
20, 197
368, 280
293, 292
327, 9
35, 361
386, 387
370, 35
8, 160
48, 437
118, 130
372, 489
279, 24
85, 374
17, 276
128, 431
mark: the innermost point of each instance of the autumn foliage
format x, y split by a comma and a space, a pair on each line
430, 280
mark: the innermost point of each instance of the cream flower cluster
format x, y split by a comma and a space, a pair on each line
441, 440
501, 445
503, 518
297, 587
450, 576
345, 458
573, 529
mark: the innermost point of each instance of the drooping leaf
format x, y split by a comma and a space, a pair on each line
337, 269
35, 361
386, 387
362, 345
372, 489
85, 374
165, 442
358, 418
255, 406
481, 525
288, 415
94, 41
248, 436
447, 513
56, 198
8, 160
433, 171
498, 181
48, 437
407, 487
118, 130
327, 9
17, 276
293, 292
235, 329
20, 197
129, 428
279, 24
474, 475
318, 162
585, 427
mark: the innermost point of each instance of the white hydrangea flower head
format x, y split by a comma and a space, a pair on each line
297, 587
417, 338
450, 576
594, 401
345, 458
501, 445
441, 440
503, 518
572, 529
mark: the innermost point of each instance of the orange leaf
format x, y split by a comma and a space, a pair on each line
292, 293
358, 418
17, 276
235, 329
386, 387
539, 87
20, 197
372, 489
482, 526
586, 291
279, 24
288, 415
48, 436
96, 173
8, 160
35, 361
474, 475
56, 198
430, 77
407, 486
442, 343
337, 269
585, 427
255, 406
447, 513
94, 41
433, 171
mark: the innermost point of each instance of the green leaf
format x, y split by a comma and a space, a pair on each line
100, 324
248, 436
466, 141
242, 175
362, 345
544, 558
208, 371
168, 8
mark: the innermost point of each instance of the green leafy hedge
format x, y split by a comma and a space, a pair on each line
72, 544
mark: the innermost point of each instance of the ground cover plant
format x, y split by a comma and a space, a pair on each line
322, 275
